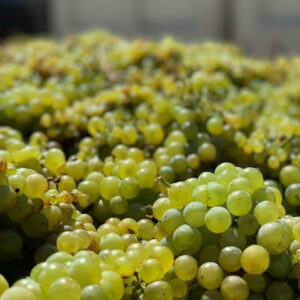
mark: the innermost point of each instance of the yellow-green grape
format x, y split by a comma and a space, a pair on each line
211, 295
8, 198
254, 176
233, 237
68, 242
54, 159
145, 231
225, 166
145, 178
154, 134
248, 224
273, 162
292, 194
209, 253
256, 283
84, 238
280, 265
90, 188
129, 188
178, 163
36, 226
214, 126
234, 288
22, 210
17, 293
109, 187
289, 175
43, 252
187, 239
129, 135
84, 271
112, 241
210, 275
296, 231
218, 219
105, 229
17, 182
280, 290
3, 284
185, 267
180, 194
124, 266
240, 184
194, 214
225, 177
265, 212
64, 288
164, 255
130, 225
193, 161
230, 259
274, 236
171, 219
158, 290
76, 168
118, 205
179, 287
160, 206
115, 289
93, 292
136, 154
207, 152
239, 203
278, 196
35, 186
264, 194
255, 259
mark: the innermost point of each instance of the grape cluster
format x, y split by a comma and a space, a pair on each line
147, 171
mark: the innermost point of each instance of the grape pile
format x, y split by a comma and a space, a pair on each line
137, 170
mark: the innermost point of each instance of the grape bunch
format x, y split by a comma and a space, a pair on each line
142, 170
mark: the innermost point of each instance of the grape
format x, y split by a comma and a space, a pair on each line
109, 187
171, 219
212, 295
118, 205
292, 194
265, 212
22, 210
112, 241
209, 253
116, 281
194, 214
3, 284
145, 231
11, 244
180, 194
207, 152
248, 224
158, 290
179, 287
218, 219
230, 259
185, 267
160, 206
256, 283
234, 287
64, 288
164, 255
8, 198
280, 265
254, 176
279, 290
255, 259
275, 237
35, 186
60, 257
68, 242
17, 293
210, 275
93, 292
289, 175
90, 188
151, 270
239, 203
240, 184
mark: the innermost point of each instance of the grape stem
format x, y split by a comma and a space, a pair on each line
163, 181
285, 142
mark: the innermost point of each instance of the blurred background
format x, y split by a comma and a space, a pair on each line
261, 27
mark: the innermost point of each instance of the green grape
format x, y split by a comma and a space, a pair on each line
8, 198
255, 259
180, 194
210, 275
118, 205
112, 241
49, 274
280, 265
84, 239
171, 219
53, 215
289, 175
275, 237
209, 253
185, 267
280, 290
84, 271
89, 255
239, 203
117, 282
109, 187
225, 177
128, 168
225, 166
292, 194
158, 290
240, 184
124, 266
186, 239
179, 288
214, 126
93, 292
256, 283
60, 257
254, 176
145, 231
90, 188
207, 152
233, 237
164, 255
54, 159
216, 194
17, 183
35, 186
160, 206
206, 177
167, 173
248, 224
22, 210
64, 288
3, 284
264, 194
151, 270
129, 188
75, 168
265, 212
68, 242
200, 194
235, 288
43, 252
11, 244
211, 295
230, 259
218, 219
17, 293
145, 178
194, 214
